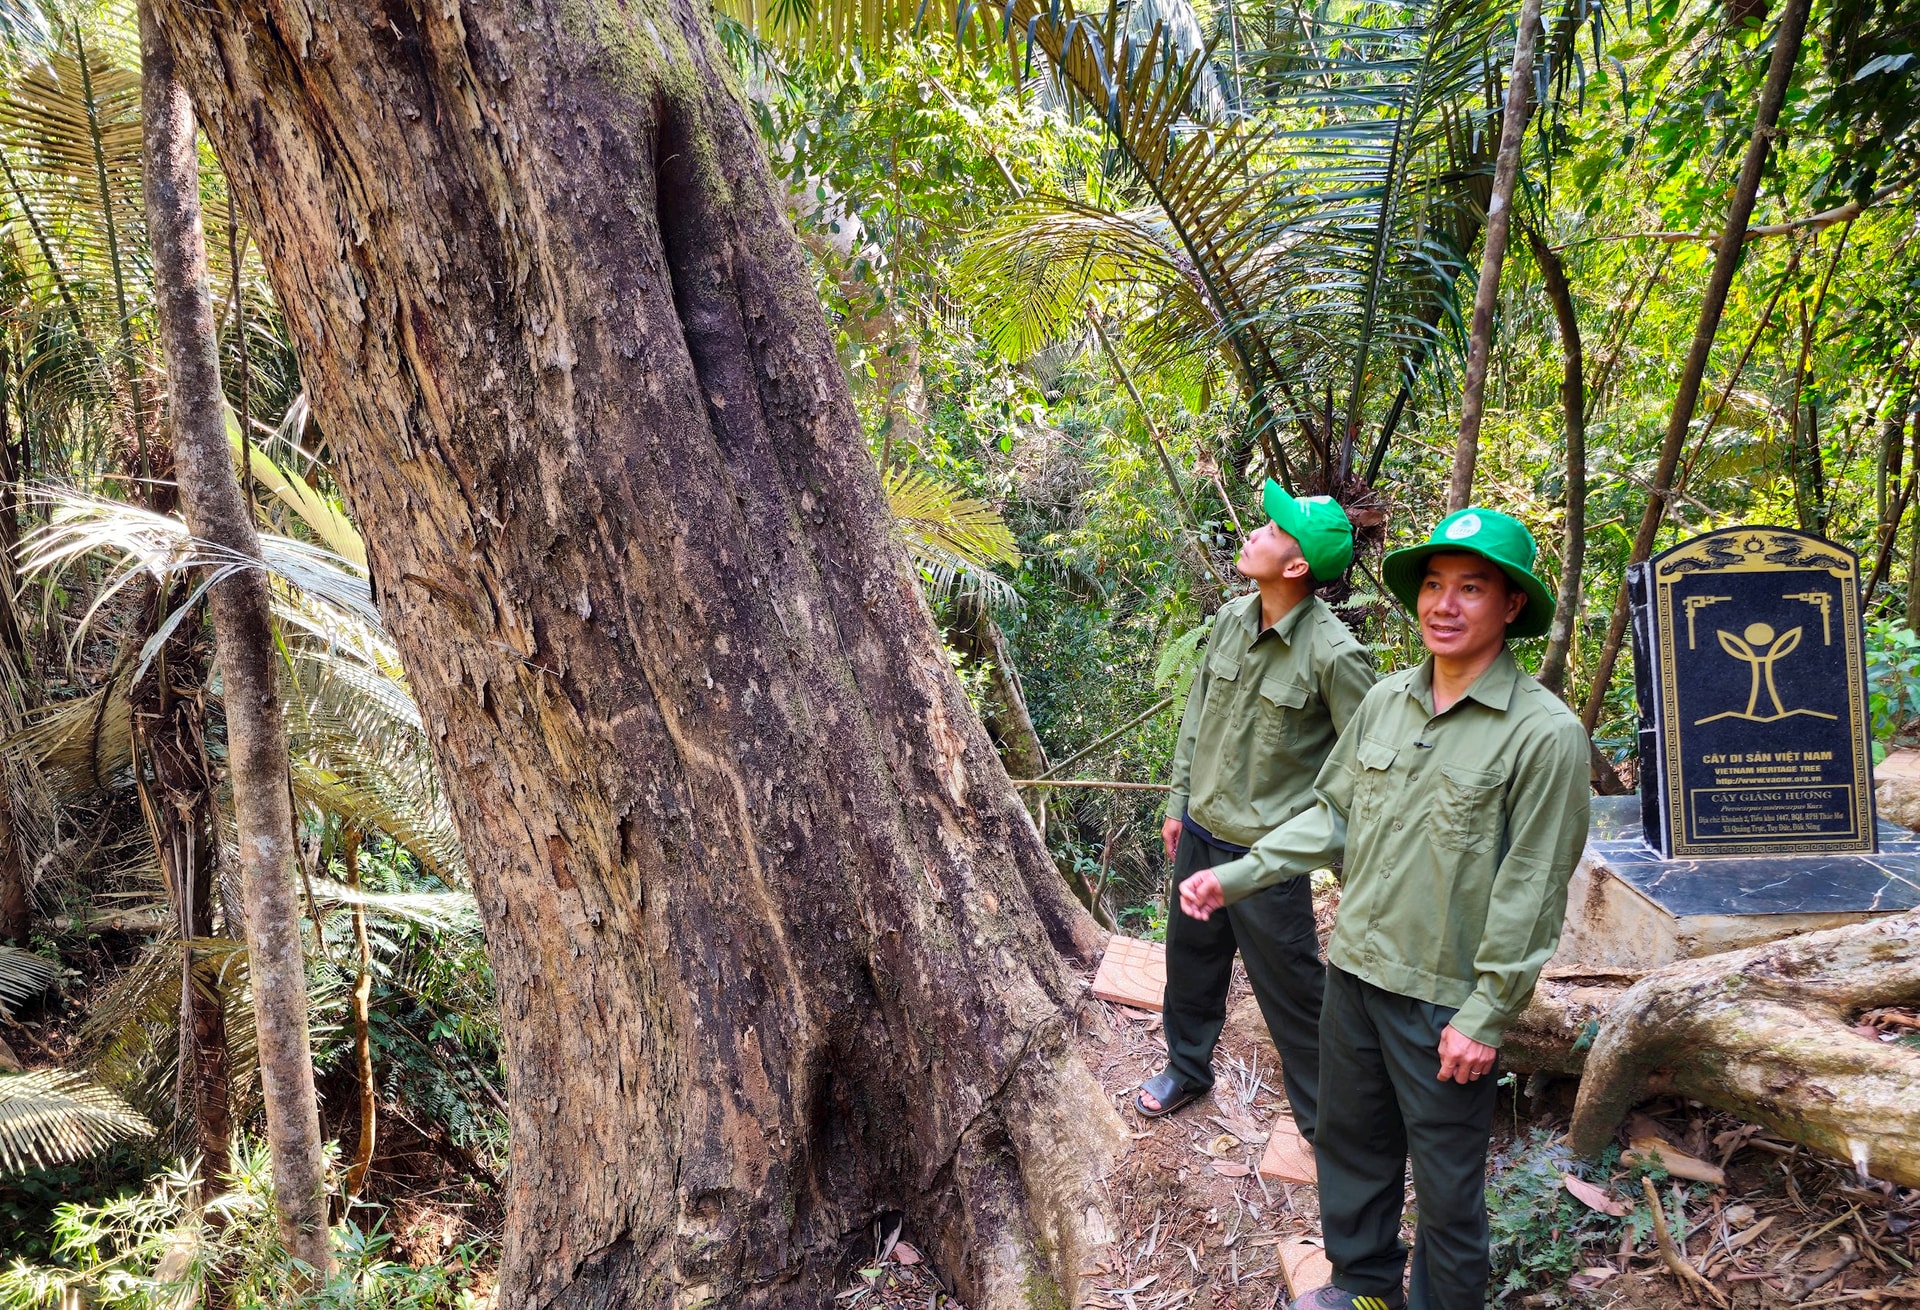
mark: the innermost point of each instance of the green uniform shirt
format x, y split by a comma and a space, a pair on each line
1262, 715
1459, 832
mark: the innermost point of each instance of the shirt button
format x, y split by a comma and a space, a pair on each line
1415, 777
1398, 826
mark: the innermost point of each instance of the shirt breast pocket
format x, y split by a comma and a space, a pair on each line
1223, 668
1466, 814
1370, 784
1280, 704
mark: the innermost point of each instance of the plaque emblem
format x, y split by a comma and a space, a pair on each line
1760, 648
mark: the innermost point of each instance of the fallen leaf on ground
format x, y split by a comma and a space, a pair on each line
1227, 1169
1739, 1240
1674, 1160
905, 1254
1594, 1198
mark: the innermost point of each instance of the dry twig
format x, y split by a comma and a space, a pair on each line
1671, 1254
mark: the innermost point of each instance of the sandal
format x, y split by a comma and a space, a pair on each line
1168, 1090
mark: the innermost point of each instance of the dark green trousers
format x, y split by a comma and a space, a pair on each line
1273, 932
1380, 1065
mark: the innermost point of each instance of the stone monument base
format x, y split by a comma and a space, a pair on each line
1629, 910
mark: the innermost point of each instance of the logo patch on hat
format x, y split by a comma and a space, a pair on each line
1463, 527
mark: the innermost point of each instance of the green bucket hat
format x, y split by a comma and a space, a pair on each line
1317, 523
1489, 534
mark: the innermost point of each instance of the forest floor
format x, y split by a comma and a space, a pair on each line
1197, 1228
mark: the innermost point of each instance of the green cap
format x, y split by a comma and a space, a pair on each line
1318, 524
1489, 534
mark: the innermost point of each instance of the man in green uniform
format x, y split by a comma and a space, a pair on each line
1458, 799
1281, 678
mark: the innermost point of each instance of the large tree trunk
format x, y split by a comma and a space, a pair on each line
775, 943
243, 642
1767, 1033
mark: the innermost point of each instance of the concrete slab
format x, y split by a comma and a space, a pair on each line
1132, 973
1630, 911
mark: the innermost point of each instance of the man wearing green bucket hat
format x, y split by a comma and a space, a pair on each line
1282, 676
1457, 799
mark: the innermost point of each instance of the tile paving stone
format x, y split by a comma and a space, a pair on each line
1288, 1157
1304, 1266
1132, 973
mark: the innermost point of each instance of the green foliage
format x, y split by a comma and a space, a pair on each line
1180, 660
433, 1022
954, 539
29, 1197
158, 1250
1893, 678
1540, 1230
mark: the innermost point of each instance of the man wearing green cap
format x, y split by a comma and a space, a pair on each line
1458, 800
1281, 678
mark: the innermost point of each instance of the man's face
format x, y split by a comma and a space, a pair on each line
1270, 554
1466, 604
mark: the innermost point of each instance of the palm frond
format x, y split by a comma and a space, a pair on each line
48, 1117
82, 746
955, 540
23, 976
439, 912
322, 517
360, 751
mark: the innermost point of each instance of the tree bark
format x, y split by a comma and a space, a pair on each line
15, 903
1768, 1034
1573, 408
243, 640
362, 1026
1726, 260
1556, 1030
176, 785
774, 952
1493, 256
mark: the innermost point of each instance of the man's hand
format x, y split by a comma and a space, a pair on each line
1170, 836
1462, 1060
1200, 895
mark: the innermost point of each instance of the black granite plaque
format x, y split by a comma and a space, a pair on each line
1751, 675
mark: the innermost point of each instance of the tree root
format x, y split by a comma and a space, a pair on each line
1554, 1034
1674, 1258
1766, 1033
